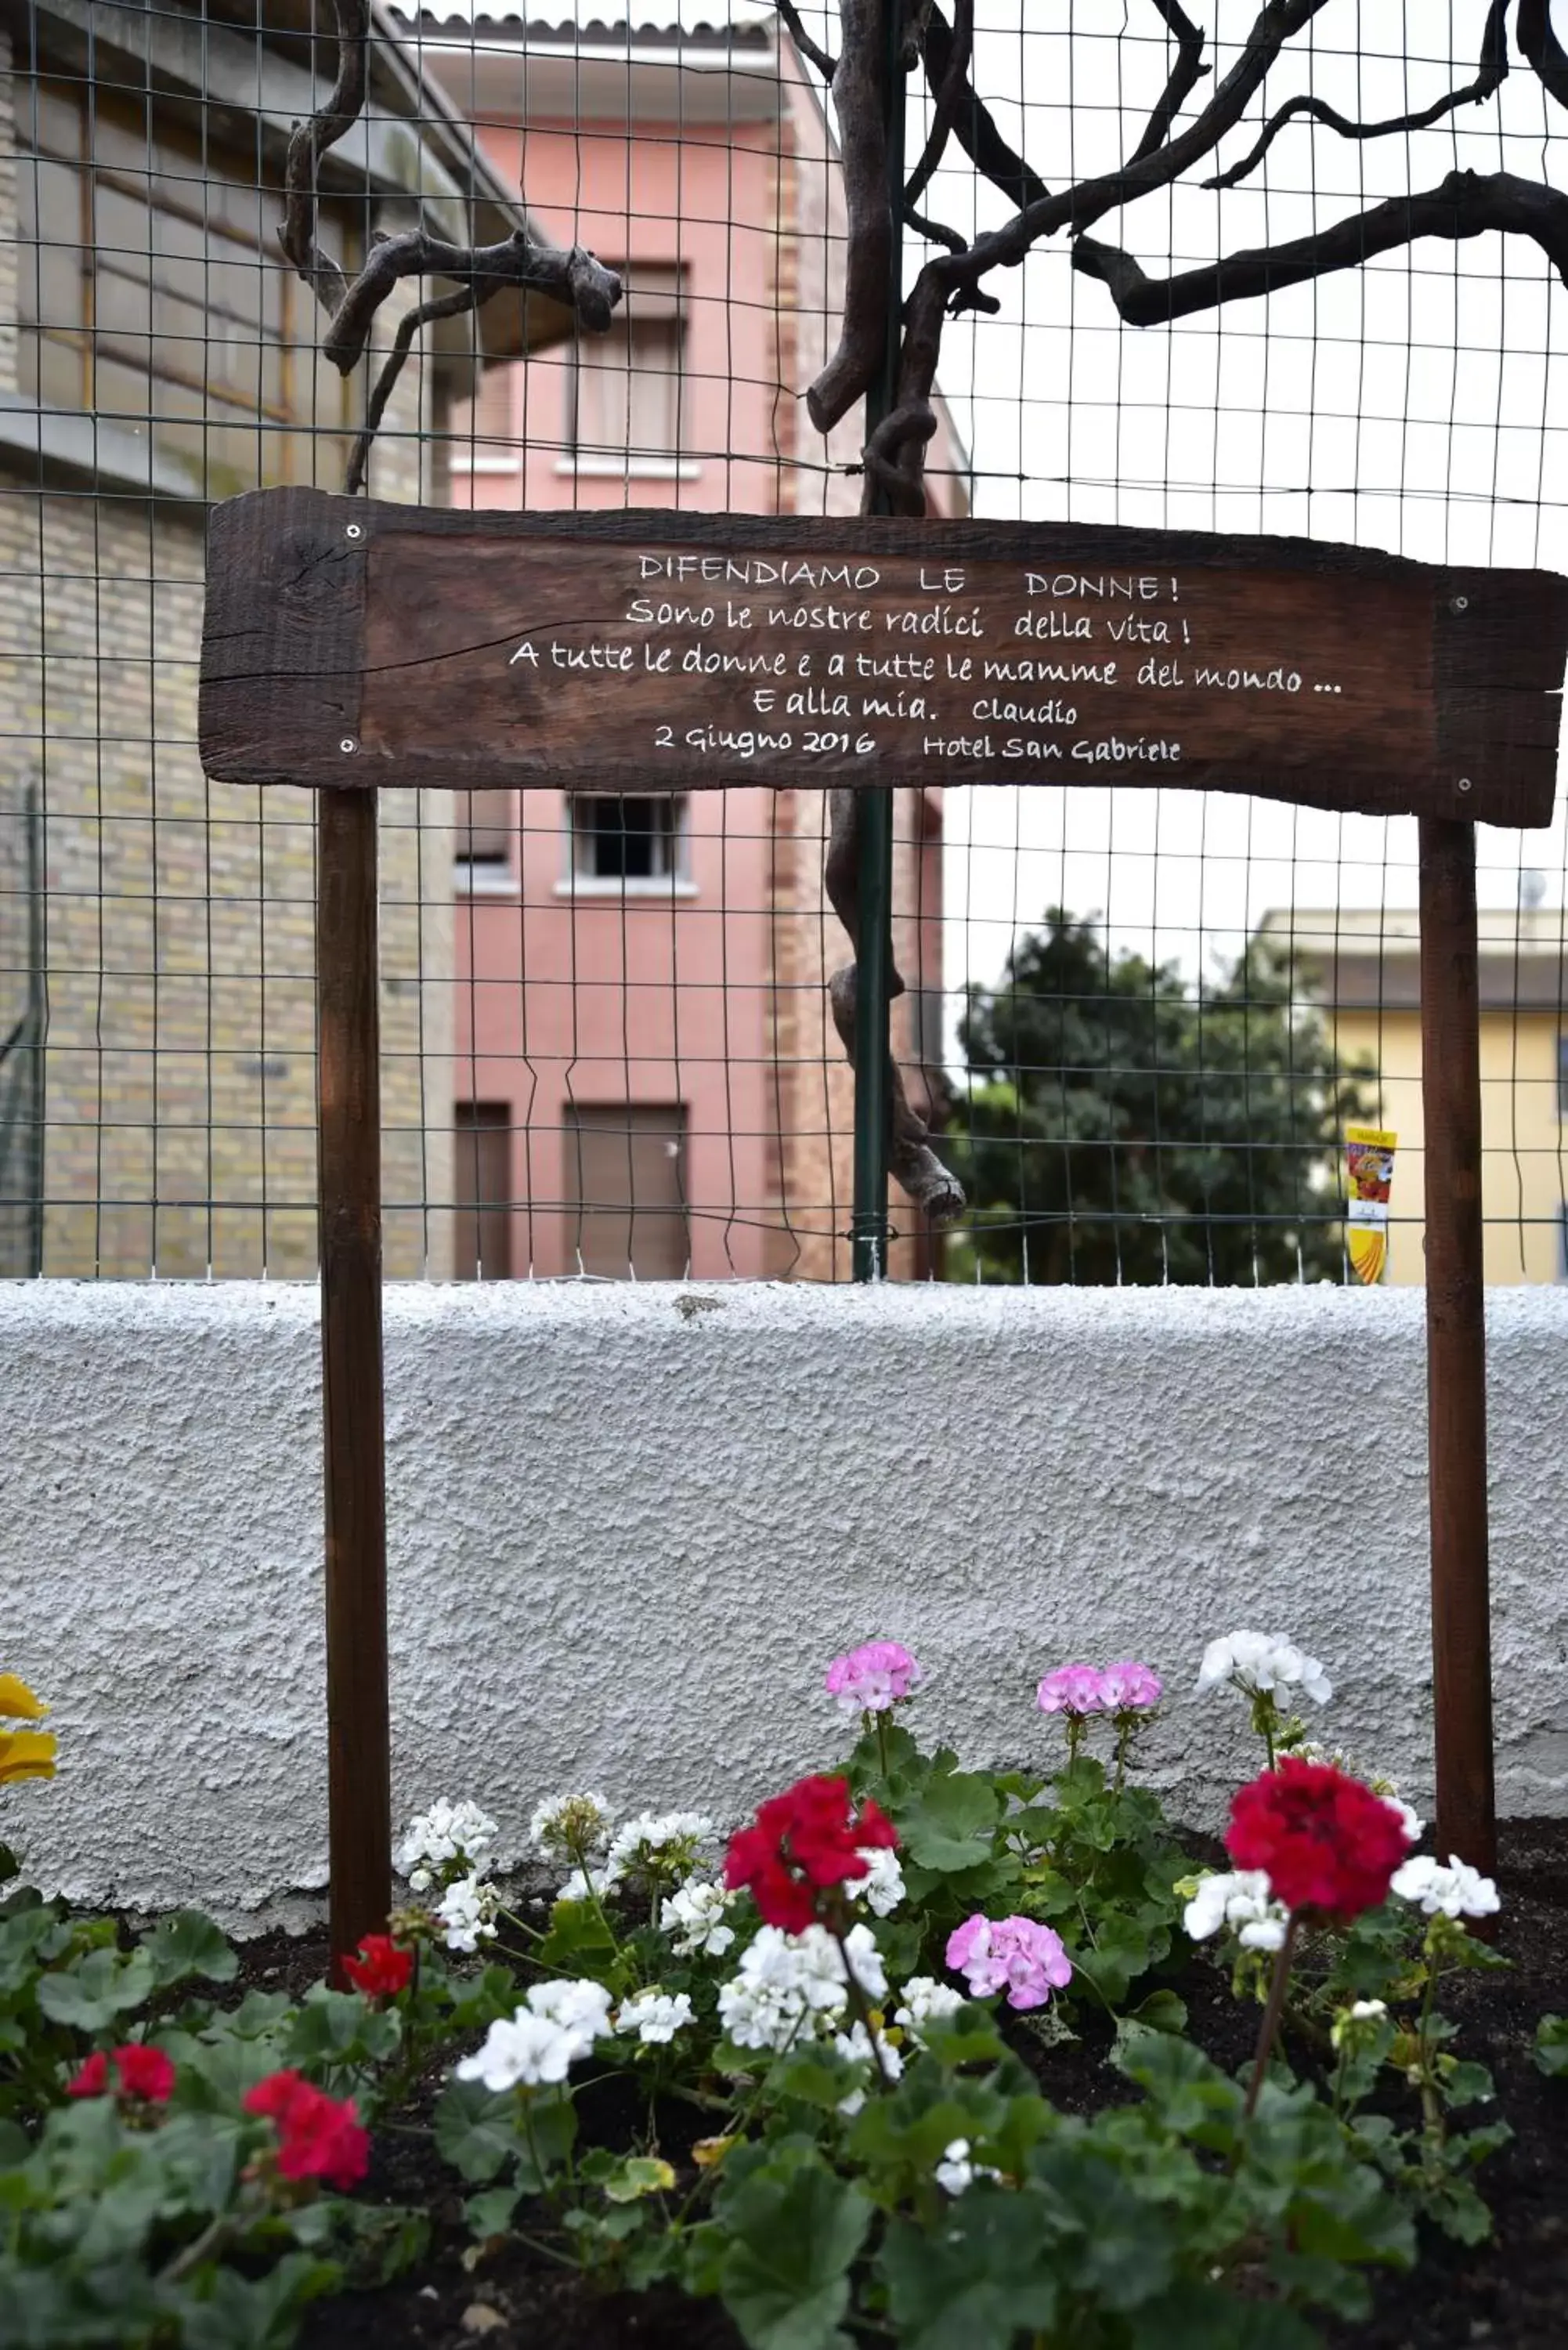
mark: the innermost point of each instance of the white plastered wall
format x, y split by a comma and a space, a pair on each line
629, 1526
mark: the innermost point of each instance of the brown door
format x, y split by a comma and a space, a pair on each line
626, 1191
482, 1192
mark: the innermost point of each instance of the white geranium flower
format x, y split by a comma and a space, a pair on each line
590, 1884
956, 2173
855, 2043
925, 2001
696, 1914
564, 1825
1243, 1902
793, 1986
1360, 2013
1260, 1662
579, 2008
882, 1887
1405, 1814
466, 1913
523, 2051
654, 2016
660, 1839
1458, 1891
435, 1839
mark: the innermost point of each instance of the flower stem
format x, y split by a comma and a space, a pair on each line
1268, 2031
861, 2005
880, 1718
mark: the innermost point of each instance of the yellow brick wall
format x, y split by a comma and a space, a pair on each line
180, 927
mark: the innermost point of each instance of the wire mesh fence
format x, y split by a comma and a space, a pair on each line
1141, 1019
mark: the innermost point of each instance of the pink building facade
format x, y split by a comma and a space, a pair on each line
648, 1081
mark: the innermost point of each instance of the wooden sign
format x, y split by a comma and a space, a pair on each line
353, 644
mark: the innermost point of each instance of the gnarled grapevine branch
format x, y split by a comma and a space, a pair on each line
1538, 43
573, 277
859, 101
1465, 204
911, 1159
949, 89
1185, 74
972, 124
1490, 73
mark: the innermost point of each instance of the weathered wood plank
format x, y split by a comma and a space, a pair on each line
635, 651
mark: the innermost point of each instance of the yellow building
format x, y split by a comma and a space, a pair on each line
1363, 967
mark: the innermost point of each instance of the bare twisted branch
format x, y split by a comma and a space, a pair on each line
1490, 73
1185, 74
1465, 204
480, 272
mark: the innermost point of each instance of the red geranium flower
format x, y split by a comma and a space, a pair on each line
319, 2136
1326, 1842
144, 2072
381, 1969
93, 2078
803, 1841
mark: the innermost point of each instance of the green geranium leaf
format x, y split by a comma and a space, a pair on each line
1196, 2316
101, 1987
1467, 2084
785, 2277
340, 2027
235, 2313
952, 1823
984, 2281
476, 2129
817, 2076
580, 1943
490, 2214
185, 1943
639, 2175
1552, 2046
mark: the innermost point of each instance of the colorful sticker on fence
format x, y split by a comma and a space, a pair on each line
1370, 1178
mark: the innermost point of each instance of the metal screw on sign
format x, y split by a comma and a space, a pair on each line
1459, 604
348, 743
354, 531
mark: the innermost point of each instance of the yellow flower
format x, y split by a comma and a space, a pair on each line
26, 1754
18, 1702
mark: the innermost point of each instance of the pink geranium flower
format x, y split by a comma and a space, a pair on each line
873, 1677
1072, 1689
1129, 1687
1012, 1954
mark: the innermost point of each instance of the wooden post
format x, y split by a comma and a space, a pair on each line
349, 1176
1455, 1344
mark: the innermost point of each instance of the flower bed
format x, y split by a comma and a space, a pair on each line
922, 2053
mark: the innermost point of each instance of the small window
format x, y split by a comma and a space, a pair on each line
626, 1191
481, 1191
626, 385
628, 842
484, 826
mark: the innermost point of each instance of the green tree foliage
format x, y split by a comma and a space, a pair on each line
1118, 1126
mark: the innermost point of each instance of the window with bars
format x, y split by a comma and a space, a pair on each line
149, 295
625, 405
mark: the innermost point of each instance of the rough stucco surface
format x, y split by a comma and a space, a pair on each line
629, 1526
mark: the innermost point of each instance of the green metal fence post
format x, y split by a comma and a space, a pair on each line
874, 946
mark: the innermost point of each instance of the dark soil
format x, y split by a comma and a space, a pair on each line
1511, 2293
